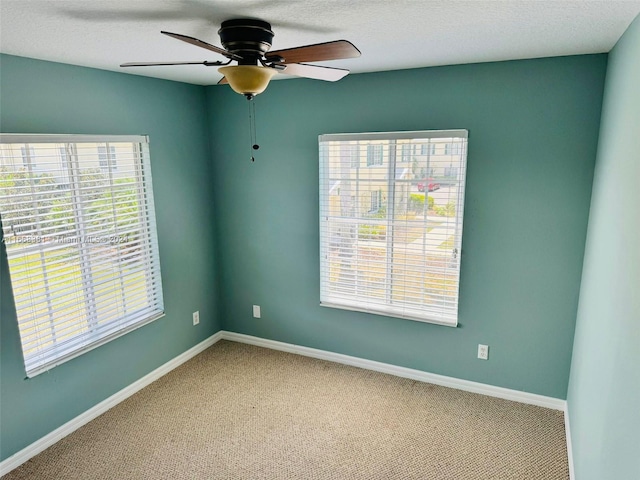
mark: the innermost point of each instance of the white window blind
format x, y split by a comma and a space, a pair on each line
401, 258
81, 241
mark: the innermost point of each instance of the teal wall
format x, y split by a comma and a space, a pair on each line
604, 390
43, 97
533, 129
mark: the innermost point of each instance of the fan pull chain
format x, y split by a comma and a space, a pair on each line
252, 129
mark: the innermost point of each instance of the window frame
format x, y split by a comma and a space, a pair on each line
428, 313
94, 329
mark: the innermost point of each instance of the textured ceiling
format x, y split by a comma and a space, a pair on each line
392, 34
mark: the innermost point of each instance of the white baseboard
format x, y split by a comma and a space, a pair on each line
567, 430
59, 433
452, 382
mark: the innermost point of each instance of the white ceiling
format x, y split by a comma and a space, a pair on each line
392, 34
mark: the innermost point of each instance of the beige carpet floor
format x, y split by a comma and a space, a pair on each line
242, 412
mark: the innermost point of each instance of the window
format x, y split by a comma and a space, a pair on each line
81, 243
452, 149
64, 168
451, 171
28, 155
376, 201
63, 158
397, 251
428, 149
406, 152
352, 152
107, 161
374, 155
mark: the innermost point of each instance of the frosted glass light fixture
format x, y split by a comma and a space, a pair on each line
248, 80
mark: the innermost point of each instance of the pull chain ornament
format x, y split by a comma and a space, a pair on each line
252, 127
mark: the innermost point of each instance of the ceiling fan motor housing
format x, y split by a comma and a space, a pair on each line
249, 38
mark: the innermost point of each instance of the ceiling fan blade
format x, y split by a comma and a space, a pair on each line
319, 52
202, 44
223, 81
156, 64
315, 71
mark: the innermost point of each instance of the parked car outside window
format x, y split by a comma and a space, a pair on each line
430, 183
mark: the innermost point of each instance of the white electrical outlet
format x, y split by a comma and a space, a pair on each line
196, 318
256, 311
483, 352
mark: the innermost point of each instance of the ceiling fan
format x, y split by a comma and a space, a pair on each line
247, 42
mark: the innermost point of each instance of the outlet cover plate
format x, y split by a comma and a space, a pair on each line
483, 352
